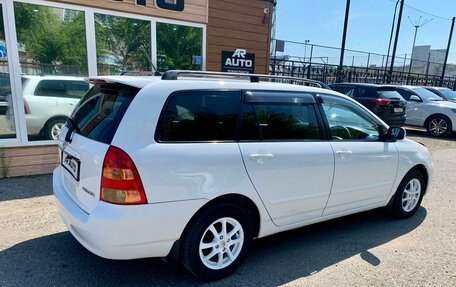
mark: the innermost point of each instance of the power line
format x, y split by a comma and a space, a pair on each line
424, 12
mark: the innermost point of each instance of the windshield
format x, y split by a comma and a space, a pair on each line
422, 92
449, 94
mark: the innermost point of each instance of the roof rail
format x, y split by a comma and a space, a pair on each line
254, 78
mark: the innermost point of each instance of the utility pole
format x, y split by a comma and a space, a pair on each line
391, 38
395, 41
344, 36
447, 51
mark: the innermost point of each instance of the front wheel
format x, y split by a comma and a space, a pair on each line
439, 126
216, 243
408, 196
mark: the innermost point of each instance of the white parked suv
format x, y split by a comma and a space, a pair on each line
194, 165
48, 101
426, 109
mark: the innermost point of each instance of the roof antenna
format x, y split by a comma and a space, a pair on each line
156, 73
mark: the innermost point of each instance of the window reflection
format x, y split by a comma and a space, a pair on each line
7, 129
123, 45
179, 47
53, 59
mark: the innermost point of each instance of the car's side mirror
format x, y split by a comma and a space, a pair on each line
395, 134
415, 98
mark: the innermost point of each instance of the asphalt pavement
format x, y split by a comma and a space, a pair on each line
367, 249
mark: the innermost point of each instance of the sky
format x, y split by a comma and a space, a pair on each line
321, 22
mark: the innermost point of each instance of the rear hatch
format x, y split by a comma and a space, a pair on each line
86, 138
389, 103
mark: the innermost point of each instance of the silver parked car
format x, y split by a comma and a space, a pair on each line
426, 109
48, 101
445, 93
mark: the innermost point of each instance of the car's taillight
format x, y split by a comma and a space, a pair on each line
26, 108
381, 102
120, 181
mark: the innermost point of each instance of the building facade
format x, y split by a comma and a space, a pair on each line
426, 60
47, 48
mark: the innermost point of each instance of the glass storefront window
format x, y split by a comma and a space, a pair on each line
7, 129
53, 59
179, 47
123, 45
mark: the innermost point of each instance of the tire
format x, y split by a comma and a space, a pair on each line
220, 256
439, 125
408, 196
52, 129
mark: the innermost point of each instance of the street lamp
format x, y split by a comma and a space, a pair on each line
417, 24
305, 48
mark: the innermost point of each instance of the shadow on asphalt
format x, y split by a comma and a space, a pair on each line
25, 187
59, 260
424, 134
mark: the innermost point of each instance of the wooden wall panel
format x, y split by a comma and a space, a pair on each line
20, 161
239, 24
194, 11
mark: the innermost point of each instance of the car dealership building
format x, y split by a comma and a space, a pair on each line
47, 48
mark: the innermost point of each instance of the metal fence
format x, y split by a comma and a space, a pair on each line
45, 69
321, 63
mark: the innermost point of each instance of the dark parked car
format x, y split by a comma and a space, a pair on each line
385, 102
445, 93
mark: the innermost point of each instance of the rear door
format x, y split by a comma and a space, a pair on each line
289, 164
86, 138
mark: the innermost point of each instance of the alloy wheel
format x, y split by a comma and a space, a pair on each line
221, 243
411, 195
438, 126
55, 130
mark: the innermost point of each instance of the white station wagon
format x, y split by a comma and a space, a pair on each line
194, 165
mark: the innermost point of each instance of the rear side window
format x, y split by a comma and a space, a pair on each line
200, 116
101, 110
279, 121
61, 88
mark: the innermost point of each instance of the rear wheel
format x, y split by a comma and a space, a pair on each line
408, 196
216, 242
52, 129
439, 125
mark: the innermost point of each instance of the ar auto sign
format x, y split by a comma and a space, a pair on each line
173, 5
238, 61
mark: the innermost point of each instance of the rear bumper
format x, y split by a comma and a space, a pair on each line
125, 232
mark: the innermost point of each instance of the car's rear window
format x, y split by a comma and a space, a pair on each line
99, 113
389, 93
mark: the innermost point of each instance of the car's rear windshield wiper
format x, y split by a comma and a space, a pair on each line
73, 125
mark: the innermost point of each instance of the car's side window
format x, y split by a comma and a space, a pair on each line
347, 121
405, 94
61, 88
279, 121
200, 116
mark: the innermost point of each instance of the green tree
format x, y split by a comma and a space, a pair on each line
176, 44
52, 35
126, 40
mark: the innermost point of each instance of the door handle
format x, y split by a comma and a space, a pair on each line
261, 157
344, 153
